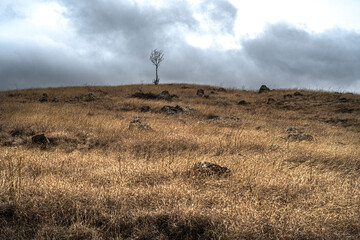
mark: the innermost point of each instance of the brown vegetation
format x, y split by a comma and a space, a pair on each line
94, 177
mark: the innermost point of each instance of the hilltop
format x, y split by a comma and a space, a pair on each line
118, 163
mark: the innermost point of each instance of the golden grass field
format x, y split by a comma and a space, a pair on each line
98, 179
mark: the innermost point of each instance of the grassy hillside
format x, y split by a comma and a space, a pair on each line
96, 178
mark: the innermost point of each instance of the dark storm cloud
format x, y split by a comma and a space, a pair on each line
30, 65
293, 57
131, 31
113, 40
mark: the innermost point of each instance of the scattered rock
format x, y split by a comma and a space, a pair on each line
287, 96
55, 100
343, 99
243, 102
40, 139
296, 134
298, 94
210, 169
44, 98
185, 87
17, 132
270, 101
177, 109
136, 123
263, 89
200, 92
293, 130
164, 95
172, 110
221, 90
212, 92
145, 109
90, 97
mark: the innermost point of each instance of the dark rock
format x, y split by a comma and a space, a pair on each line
17, 132
210, 169
136, 123
294, 130
212, 92
287, 96
172, 110
185, 87
142, 95
89, 97
40, 139
298, 94
221, 90
263, 89
296, 134
164, 95
44, 98
55, 100
145, 109
200, 92
78, 98
243, 102
270, 101
343, 99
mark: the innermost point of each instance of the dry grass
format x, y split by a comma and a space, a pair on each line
99, 180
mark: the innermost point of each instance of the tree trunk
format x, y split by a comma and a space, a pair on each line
157, 77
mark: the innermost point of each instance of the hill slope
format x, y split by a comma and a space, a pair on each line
294, 161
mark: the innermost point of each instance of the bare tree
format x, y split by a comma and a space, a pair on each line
156, 58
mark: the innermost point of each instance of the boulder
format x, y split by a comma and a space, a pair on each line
136, 123
210, 169
164, 95
145, 109
171, 109
40, 139
296, 134
297, 94
44, 98
89, 97
221, 90
270, 101
243, 102
55, 100
287, 96
263, 89
200, 92
293, 130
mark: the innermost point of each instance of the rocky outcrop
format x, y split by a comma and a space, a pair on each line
264, 89
136, 123
210, 169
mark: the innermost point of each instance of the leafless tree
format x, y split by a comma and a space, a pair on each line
156, 58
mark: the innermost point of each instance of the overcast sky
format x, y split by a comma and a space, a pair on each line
235, 43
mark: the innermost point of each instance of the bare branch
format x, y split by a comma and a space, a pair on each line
156, 57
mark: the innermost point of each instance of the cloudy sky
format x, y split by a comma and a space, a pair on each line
230, 43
